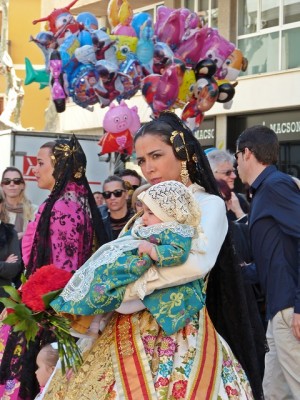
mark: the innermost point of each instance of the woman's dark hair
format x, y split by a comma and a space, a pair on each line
185, 147
69, 163
225, 301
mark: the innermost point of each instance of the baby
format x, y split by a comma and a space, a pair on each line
46, 361
162, 237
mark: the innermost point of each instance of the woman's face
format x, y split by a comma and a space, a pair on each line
156, 159
226, 172
44, 169
12, 190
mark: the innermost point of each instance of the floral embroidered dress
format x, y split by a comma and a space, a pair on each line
135, 359
99, 285
71, 244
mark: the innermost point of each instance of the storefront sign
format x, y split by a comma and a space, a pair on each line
206, 132
286, 124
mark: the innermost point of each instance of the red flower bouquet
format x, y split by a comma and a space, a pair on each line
46, 279
29, 311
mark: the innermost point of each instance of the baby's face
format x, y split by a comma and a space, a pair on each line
44, 371
149, 218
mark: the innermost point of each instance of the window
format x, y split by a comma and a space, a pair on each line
151, 10
268, 31
206, 9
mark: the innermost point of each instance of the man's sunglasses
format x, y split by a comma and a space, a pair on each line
227, 173
16, 181
129, 186
116, 193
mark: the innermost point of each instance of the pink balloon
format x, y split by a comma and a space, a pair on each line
168, 88
125, 30
190, 49
120, 117
216, 48
171, 26
162, 14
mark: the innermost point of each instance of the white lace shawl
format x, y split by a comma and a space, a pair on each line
79, 285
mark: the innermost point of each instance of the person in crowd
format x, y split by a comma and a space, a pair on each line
115, 212
10, 253
132, 177
137, 204
241, 241
222, 162
132, 181
274, 225
133, 357
46, 361
98, 198
162, 237
66, 227
19, 207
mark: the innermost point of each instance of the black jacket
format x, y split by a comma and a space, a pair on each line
9, 244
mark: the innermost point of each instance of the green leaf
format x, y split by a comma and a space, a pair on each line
14, 294
23, 325
7, 302
11, 319
23, 312
31, 332
48, 297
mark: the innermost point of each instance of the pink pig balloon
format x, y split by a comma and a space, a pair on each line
120, 118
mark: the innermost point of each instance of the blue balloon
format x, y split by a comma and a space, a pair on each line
138, 20
145, 46
88, 20
67, 50
85, 38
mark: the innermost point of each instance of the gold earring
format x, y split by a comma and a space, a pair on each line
184, 173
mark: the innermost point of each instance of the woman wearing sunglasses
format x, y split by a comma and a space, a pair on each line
19, 207
134, 358
222, 162
66, 227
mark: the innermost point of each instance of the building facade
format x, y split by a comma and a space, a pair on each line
268, 92
20, 15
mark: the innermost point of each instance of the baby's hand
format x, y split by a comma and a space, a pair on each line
147, 248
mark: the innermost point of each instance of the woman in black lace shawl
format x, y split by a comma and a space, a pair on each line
66, 228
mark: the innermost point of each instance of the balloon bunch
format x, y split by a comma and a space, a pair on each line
176, 62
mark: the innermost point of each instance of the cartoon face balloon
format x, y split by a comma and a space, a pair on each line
232, 66
187, 87
61, 22
124, 45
